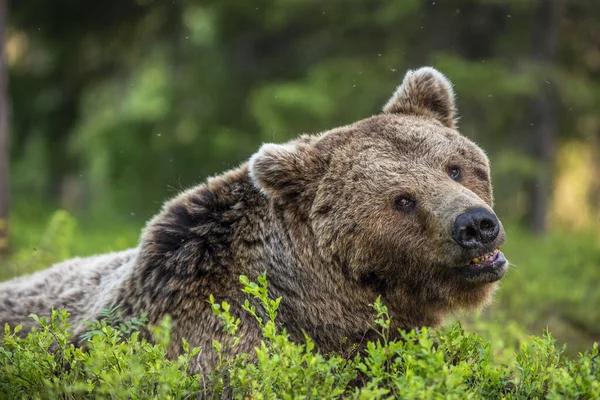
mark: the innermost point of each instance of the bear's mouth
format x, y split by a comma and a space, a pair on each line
486, 268
487, 258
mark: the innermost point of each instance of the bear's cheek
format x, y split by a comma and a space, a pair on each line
407, 243
424, 238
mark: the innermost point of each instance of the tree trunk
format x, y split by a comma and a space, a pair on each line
545, 34
4, 237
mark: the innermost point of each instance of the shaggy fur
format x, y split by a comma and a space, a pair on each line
319, 215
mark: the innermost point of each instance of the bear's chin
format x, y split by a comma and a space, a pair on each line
475, 297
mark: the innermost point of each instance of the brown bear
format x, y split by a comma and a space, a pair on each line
398, 205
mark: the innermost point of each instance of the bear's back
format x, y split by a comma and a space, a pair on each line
82, 286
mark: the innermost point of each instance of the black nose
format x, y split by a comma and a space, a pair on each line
475, 228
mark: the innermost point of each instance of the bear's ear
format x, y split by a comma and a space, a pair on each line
424, 92
283, 170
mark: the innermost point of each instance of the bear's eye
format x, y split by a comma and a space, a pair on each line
404, 203
454, 172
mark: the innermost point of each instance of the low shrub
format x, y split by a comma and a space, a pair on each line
450, 363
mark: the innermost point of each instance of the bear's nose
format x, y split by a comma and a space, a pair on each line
475, 228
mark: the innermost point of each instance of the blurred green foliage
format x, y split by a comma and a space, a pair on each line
42, 238
117, 106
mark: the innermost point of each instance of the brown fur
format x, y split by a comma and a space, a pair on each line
318, 214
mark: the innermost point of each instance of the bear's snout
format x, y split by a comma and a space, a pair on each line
476, 228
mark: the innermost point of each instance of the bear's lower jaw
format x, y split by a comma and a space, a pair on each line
485, 272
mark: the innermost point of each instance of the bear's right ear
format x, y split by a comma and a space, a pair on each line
424, 92
283, 170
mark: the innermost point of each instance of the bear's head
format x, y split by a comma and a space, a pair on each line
401, 201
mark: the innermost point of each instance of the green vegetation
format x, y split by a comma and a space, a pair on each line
46, 365
42, 238
423, 364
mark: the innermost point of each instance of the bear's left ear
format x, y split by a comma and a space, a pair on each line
424, 92
284, 170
